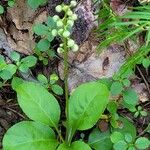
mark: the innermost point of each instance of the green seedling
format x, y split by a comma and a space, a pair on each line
139, 112
51, 83
126, 142
8, 70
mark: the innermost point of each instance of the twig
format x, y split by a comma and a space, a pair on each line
14, 111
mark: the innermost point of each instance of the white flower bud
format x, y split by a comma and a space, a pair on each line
73, 3
69, 13
74, 17
58, 8
66, 34
61, 45
70, 43
56, 18
59, 23
60, 50
54, 32
75, 48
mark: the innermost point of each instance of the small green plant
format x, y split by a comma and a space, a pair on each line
7, 70
127, 142
139, 112
51, 83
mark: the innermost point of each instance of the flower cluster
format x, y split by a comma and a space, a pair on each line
65, 25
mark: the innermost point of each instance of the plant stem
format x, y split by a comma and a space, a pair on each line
66, 81
60, 136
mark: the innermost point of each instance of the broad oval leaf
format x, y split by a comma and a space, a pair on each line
100, 140
37, 103
78, 145
29, 135
29, 61
142, 143
86, 105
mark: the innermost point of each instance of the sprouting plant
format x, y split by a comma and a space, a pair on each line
51, 83
139, 112
7, 70
126, 142
121, 92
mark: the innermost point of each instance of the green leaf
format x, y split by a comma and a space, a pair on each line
148, 128
16, 82
128, 138
106, 81
36, 3
29, 61
42, 79
131, 148
146, 62
40, 29
136, 114
126, 82
57, 89
78, 145
121, 145
116, 88
43, 45
126, 69
11, 3
2, 63
8, 72
112, 107
1, 9
1, 84
15, 56
142, 143
29, 135
130, 97
23, 68
45, 61
51, 23
50, 37
125, 126
98, 140
53, 78
116, 137
86, 105
143, 113
38, 104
